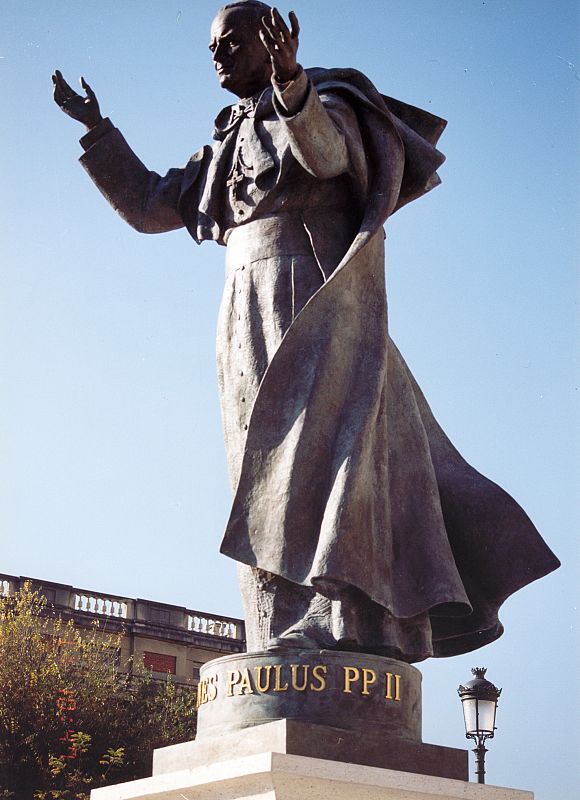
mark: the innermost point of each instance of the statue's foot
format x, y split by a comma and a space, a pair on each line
294, 640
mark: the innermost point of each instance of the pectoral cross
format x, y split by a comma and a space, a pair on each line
235, 178
238, 174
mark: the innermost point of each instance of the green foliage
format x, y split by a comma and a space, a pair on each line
113, 758
70, 721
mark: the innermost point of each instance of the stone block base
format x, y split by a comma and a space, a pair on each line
278, 776
293, 737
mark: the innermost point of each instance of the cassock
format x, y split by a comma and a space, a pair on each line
356, 522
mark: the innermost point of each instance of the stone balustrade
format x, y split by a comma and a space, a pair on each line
97, 604
82, 602
227, 628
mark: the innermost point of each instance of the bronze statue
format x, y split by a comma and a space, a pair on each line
356, 523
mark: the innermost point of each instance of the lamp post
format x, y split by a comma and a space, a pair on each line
479, 701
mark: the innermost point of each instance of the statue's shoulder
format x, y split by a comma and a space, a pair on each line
341, 78
350, 84
360, 89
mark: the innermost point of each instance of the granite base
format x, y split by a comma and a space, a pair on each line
277, 776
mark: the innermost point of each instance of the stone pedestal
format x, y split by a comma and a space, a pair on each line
292, 737
352, 691
277, 776
303, 725
348, 707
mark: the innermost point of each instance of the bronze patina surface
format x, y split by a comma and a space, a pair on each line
356, 523
329, 687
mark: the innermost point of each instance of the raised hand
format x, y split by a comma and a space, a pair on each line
83, 109
281, 44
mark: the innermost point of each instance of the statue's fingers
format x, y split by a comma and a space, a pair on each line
90, 94
56, 82
57, 91
268, 30
278, 22
272, 44
268, 43
63, 85
295, 24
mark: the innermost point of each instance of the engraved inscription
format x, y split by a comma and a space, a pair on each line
270, 678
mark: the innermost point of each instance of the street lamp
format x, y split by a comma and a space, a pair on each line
479, 700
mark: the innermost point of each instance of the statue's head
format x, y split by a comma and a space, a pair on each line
240, 59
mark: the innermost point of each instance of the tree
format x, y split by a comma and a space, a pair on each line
70, 719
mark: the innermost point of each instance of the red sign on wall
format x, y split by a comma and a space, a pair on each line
159, 662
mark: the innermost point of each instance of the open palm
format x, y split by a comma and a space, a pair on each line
83, 109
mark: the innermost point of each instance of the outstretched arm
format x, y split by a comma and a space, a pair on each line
147, 201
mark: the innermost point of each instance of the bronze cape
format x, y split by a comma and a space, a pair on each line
347, 479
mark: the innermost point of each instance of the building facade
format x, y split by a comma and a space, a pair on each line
169, 639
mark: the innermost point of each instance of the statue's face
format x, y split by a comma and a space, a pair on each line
240, 59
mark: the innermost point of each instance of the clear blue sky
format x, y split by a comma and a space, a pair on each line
114, 474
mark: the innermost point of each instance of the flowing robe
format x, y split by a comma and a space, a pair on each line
343, 482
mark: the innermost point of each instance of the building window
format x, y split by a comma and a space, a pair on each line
159, 662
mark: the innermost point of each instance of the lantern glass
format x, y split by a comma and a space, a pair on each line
486, 716
479, 716
470, 714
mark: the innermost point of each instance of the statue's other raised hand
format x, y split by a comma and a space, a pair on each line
83, 109
281, 44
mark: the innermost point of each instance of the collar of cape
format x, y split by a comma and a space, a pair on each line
400, 142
